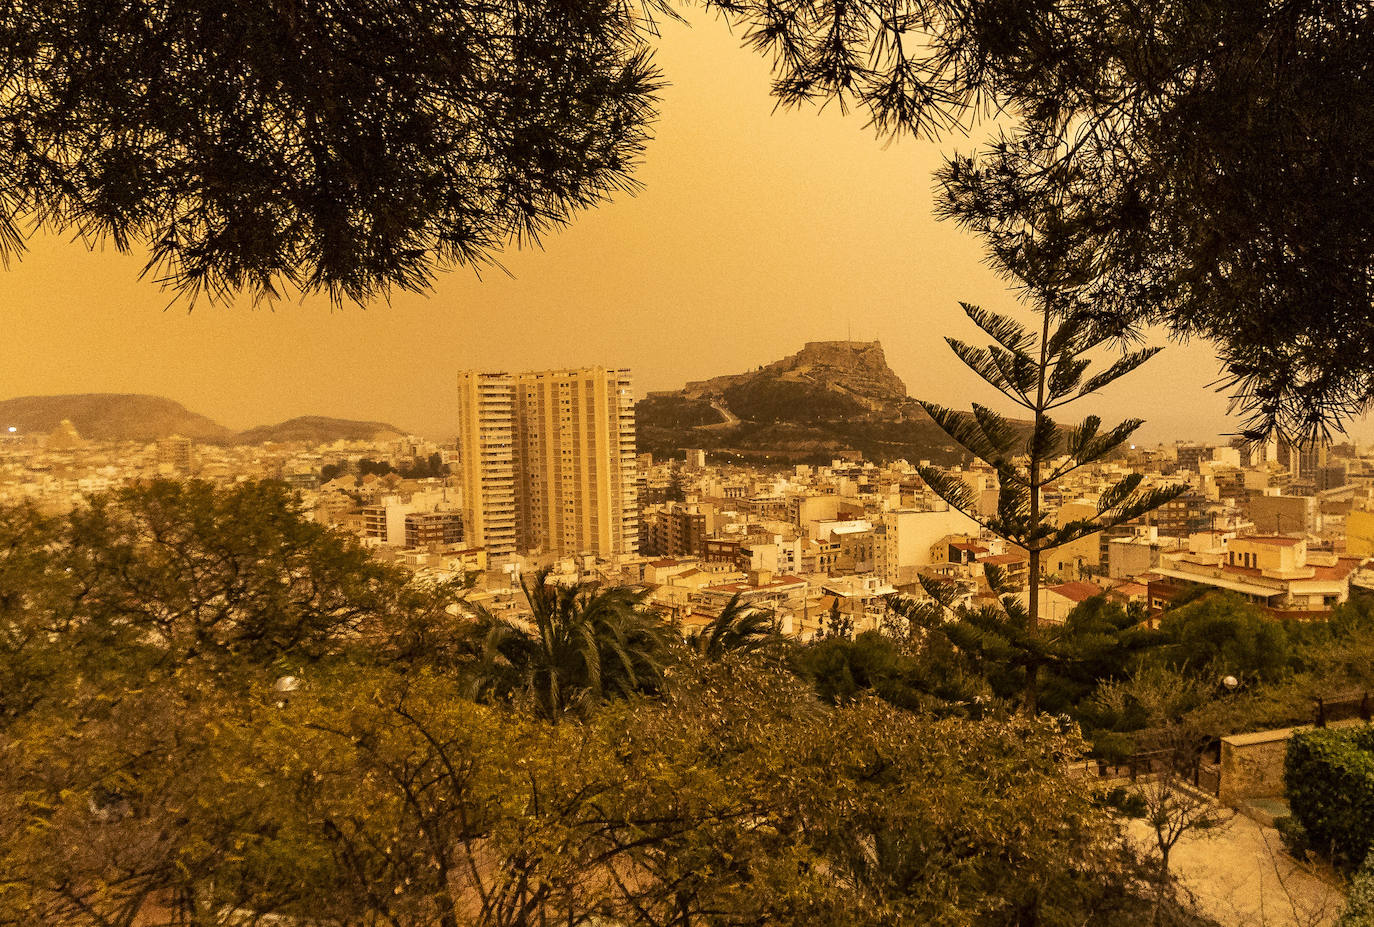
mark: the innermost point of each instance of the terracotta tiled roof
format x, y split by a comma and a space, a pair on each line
1077, 592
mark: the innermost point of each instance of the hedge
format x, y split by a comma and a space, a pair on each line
1359, 906
1328, 777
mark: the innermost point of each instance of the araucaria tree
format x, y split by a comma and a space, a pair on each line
1040, 373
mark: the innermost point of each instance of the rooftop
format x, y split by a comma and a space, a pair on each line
1077, 592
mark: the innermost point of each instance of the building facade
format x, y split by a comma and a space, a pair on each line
548, 461
426, 529
486, 460
1277, 573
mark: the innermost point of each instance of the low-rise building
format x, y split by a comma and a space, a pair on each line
427, 529
1276, 573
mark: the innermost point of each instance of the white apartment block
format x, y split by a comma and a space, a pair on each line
486, 460
567, 440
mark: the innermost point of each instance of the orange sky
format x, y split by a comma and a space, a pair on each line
755, 231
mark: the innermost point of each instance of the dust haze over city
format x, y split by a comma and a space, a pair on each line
755, 231
788, 462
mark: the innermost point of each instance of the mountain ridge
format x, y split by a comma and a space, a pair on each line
144, 417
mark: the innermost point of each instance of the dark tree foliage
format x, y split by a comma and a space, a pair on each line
738, 628
1206, 162
1328, 778
369, 467
435, 465
1040, 373
320, 147
1223, 635
579, 646
1098, 642
177, 575
932, 681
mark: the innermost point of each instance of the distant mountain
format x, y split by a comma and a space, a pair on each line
317, 429
110, 417
135, 417
829, 397
822, 380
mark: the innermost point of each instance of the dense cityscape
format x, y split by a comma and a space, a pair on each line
1289, 529
653, 464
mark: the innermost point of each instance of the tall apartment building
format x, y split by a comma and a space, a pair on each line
175, 452
486, 460
567, 439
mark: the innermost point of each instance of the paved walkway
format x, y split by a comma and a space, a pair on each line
1241, 877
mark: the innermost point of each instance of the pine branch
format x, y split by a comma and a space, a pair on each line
995, 369
945, 592
1064, 379
1086, 446
1123, 366
1006, 331
1043, 442
992, 443
954, 492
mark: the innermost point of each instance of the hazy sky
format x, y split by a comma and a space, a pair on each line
755, 232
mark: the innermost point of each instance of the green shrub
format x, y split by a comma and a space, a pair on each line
1359, 904
1293, 835
1223, 635
1126, 802
1329, 779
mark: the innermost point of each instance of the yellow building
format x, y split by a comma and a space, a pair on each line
486, 460
575, 435
1273, 571
175, 453
554, 457
1080, 557
1359, 534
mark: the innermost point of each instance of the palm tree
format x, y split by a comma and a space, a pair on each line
580, 645
739, 628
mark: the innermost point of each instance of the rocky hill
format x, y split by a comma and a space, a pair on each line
822, 380
136, 417
110, 417
317, 429
829, 397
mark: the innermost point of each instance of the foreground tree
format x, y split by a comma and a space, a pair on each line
336, 148
738, 628
1040, 373
171, 579
580, 645
139, 654
384, 797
